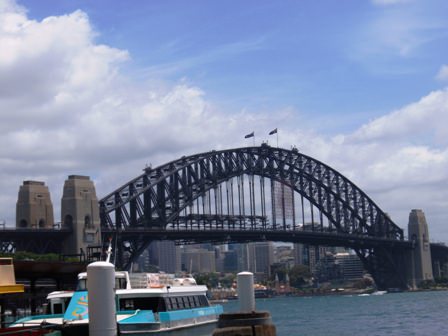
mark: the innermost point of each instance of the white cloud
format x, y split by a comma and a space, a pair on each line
443, 73
396, 32
389, 2
66, 108
425, 119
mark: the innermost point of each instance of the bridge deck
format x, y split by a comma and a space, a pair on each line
234, 236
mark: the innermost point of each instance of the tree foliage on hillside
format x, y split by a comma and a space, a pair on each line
299, 275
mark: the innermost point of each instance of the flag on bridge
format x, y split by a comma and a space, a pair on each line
274, 131
250, 135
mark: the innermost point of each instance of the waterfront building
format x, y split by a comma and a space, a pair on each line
309, 255
230, 261
198, 260
327, 269
263, 257
298, 254
350, 266
165, 255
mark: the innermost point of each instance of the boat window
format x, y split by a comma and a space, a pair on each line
82, 285
186, 302
203, 300
120, 283
127, 305
190, 302
57, 308
174, 303
168, 304
183, 302
196, 301
162, 307
180, 303
143, 303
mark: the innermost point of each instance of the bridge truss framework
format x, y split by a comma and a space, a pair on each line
228, 196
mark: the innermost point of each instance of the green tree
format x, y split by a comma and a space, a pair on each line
299, 275
209, 279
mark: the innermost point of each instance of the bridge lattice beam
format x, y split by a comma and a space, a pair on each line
158, 197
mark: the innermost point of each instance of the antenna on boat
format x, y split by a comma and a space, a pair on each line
109, 250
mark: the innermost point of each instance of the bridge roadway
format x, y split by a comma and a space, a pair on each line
38, 240
214, 235
51, 240
43, 240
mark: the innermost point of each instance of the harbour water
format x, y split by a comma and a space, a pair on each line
418, 313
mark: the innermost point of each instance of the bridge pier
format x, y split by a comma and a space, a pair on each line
419, 259
34, 207
388, 266
80, 213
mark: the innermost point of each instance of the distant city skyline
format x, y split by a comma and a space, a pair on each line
105, 88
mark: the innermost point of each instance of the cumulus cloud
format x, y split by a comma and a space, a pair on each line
443, 73
400, 160
67, 108
424, 120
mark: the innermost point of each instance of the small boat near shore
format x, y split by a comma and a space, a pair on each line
145, 304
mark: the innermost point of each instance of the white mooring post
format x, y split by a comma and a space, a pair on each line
246, 295
101, 291
247, 321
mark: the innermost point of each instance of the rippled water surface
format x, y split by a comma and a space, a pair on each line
422, 313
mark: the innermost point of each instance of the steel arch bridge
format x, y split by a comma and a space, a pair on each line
249, 194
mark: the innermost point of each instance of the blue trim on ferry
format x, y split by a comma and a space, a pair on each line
140, 316
189, 313
37, 317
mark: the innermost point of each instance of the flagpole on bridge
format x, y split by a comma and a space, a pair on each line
250, 135
274, 131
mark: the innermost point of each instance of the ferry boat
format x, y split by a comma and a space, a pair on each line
146, 304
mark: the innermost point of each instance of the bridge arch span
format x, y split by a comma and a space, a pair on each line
214, 197
158, 197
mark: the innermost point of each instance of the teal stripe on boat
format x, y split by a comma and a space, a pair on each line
140, 316
37, 317
189, 313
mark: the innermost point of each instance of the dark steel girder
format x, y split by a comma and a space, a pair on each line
33, 240
159, 195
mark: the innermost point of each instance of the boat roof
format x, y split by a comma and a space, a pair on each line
163, 291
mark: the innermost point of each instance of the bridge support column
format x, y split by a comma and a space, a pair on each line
387, 266
419, 260
34, 207
80, 212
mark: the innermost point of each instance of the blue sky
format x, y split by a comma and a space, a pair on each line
103, 88
355, 59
